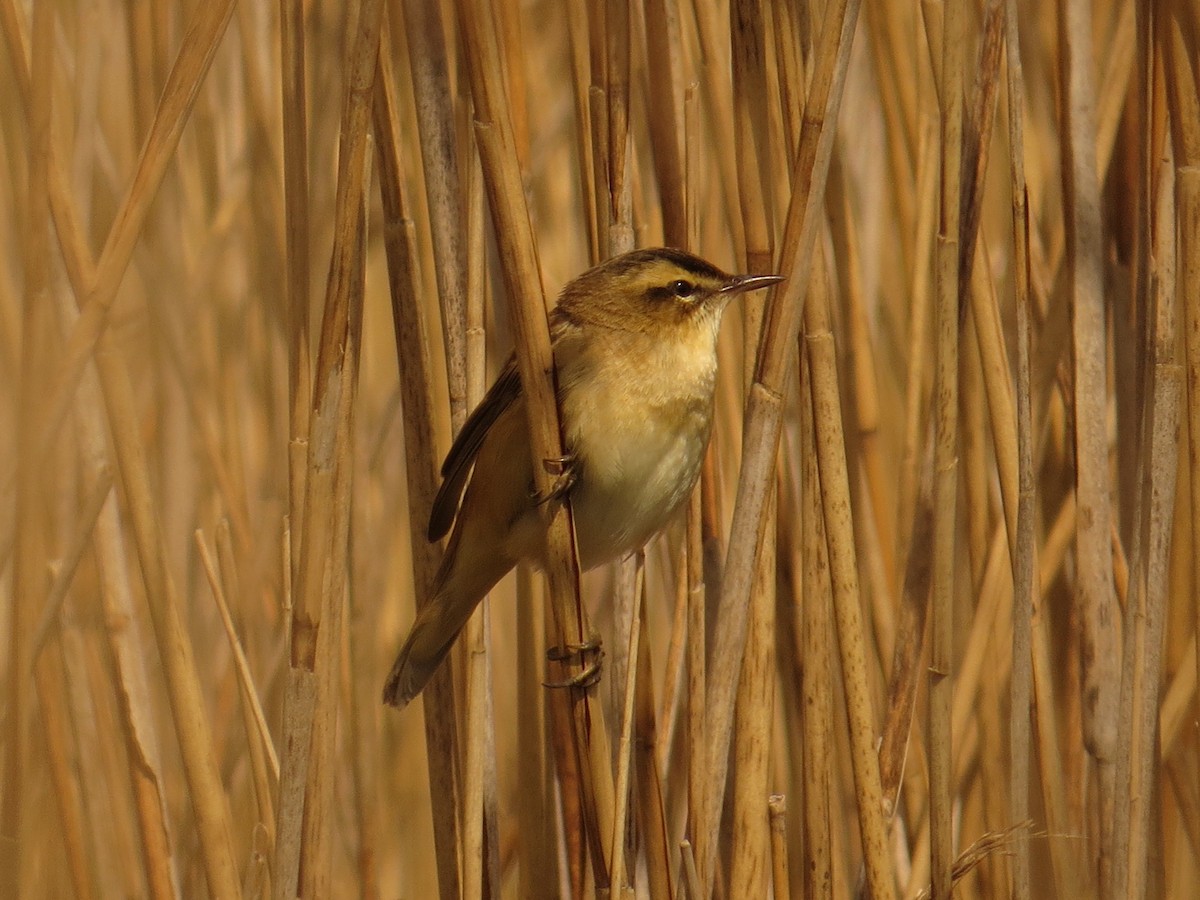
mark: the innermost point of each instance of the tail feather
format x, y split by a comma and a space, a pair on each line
430, 640
460, 585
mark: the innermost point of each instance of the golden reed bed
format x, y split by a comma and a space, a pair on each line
929, 621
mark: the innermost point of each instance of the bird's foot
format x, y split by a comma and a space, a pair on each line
565, 472
591, 671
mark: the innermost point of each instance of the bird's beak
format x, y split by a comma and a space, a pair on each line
739, 284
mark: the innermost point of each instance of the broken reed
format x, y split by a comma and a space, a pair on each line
981, 380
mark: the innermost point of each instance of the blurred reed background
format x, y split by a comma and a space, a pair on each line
965, 588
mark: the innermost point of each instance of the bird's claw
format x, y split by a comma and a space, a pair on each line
567, 651
566, 474
557, 465
590, 673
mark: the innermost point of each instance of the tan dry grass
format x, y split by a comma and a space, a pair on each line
983, 381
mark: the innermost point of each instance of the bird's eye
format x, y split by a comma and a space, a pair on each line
682, 289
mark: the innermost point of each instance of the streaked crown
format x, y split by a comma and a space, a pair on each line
655, 286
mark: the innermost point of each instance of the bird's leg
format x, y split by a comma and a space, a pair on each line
565, 472
590, 674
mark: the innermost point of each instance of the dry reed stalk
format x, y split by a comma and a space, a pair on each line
995, 599
893, 59
616, 90
1024, 550
596, 77
28, 575
1180, 694
977, 141
673, 702
835, 503
696, 741
566, 771
329, 378
481, 850
1120, 874
519, 263
1183, 86
750, 135
991, 768
100, 766
508, 24
537, 854
57, 725
665, 93
865, 392
136, 715
777, 811
750, 847
1185, 872
1096, 602
316, 865
764, 412
294, 119
537, 858
1119, 58
1065, 858
363, 744
994, 358
479, 879
949, 77
916, 402
439, 154
714, 64
580, 79
625, 737
316, 862
37, 674
788, 771
780, 72
697, 718
817, 675
72, 237
976, 501
264, 762
479, 779
312, 655
141, 25
790, 58
660, 860
1146, 608
909, 649
977, 283
421, 467
30, 550
749, 850
624, 580
689, 877
1188, 206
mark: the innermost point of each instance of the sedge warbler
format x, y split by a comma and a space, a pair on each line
635, 350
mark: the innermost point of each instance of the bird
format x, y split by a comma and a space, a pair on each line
634, 341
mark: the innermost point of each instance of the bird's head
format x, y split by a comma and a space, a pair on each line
649, 290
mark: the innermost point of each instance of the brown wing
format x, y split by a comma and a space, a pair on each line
461, 457
502, 394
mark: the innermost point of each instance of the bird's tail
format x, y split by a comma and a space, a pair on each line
461, 583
